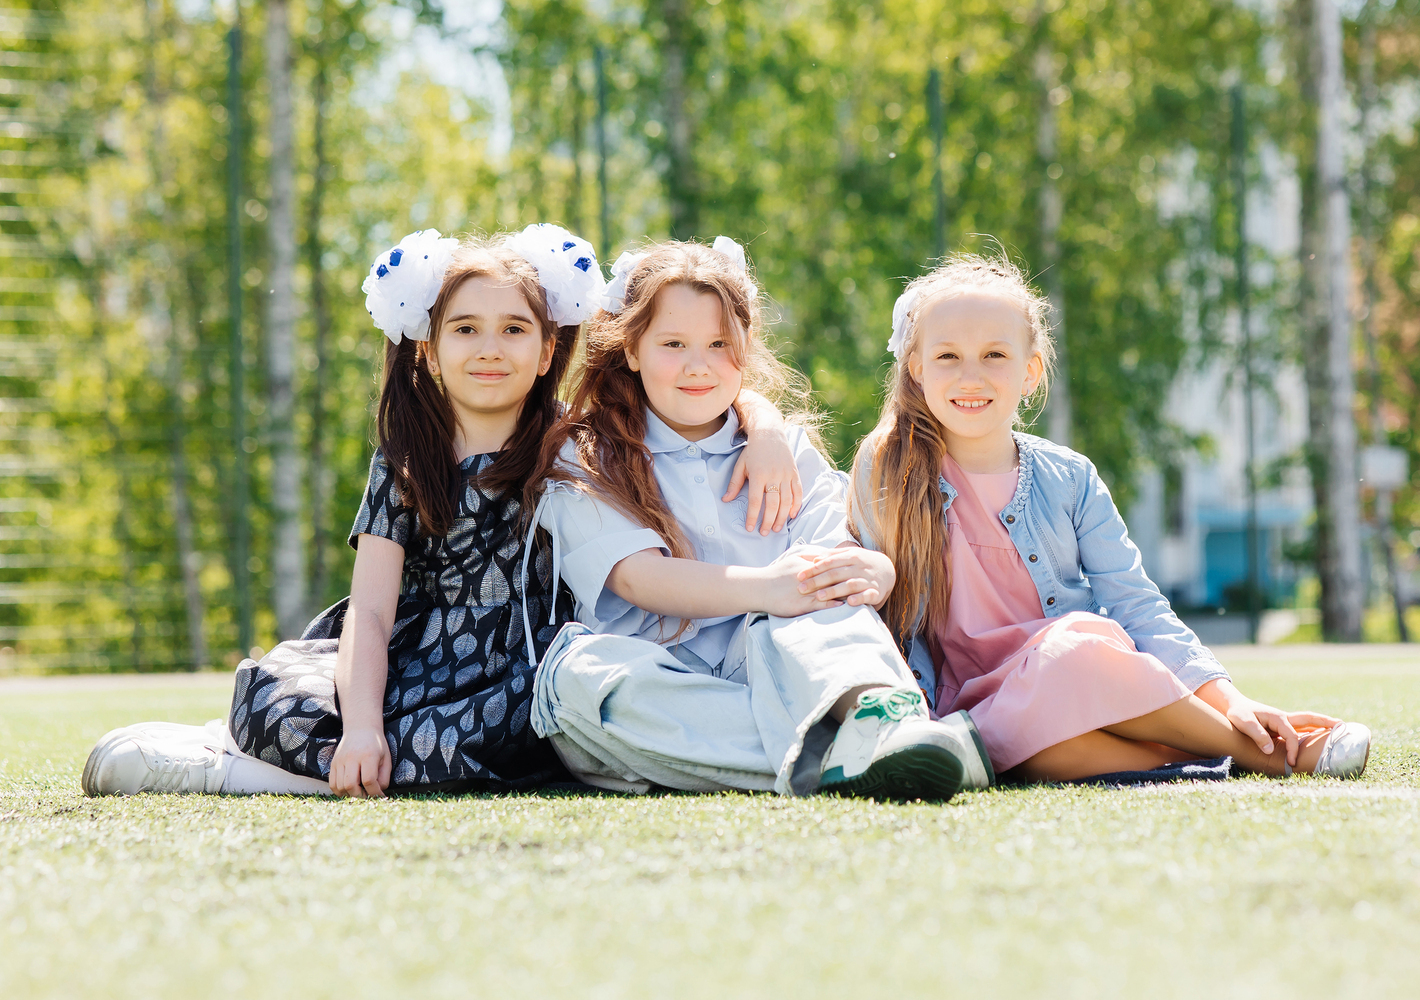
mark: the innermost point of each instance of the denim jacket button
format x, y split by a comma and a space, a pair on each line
1034, 557
1010, 518
1050, 600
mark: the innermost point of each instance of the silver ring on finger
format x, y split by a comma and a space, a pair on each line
771, 489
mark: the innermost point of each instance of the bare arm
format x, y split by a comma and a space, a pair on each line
1261, 722
766, 461
361, 765
687, 588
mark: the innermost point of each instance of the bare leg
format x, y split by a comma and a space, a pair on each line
1193, 725
1096, 752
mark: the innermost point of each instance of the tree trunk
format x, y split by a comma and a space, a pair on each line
1385, 530
189, 560
574, 194
288, 556
109, 405
1339, 556
681, 181
1058, 410
321, 315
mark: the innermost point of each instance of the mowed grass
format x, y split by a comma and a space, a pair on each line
1236, 889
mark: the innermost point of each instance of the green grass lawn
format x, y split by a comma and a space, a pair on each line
1239, 889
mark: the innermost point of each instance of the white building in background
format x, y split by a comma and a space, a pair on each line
1190, 520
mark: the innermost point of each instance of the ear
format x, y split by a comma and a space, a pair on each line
914, 366
429, 358
632, 361
1035, 371
549, 345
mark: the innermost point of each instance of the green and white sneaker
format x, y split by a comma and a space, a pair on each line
155, 757
889, 748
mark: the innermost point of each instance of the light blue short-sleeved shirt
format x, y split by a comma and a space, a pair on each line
593, 536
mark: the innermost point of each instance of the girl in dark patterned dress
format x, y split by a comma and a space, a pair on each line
421, 679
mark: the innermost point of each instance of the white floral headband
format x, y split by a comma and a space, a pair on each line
614, 298
405, 280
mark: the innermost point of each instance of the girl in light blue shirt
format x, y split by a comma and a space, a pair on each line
709, 656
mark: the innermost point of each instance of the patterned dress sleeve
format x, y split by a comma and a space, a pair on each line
383, 512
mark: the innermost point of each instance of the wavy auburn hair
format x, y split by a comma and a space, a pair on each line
417, 422
606, 416
894, 491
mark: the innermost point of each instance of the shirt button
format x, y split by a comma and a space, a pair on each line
700, 479
1050, 600
692, 451
709, 529
1010, 518
1034, 557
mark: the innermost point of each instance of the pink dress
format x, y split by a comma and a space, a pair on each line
1028, 681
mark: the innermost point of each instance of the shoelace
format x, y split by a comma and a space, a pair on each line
895, 706
176, 774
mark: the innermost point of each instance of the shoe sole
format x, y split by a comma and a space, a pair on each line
921, 771
101, 749
980, 749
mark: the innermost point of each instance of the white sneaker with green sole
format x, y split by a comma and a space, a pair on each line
889, 748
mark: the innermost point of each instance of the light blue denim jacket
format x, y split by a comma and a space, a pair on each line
1076, 548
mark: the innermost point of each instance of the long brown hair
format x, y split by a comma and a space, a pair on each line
417, 421
895, 492
606, 417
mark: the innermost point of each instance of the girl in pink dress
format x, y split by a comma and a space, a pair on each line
1018, 590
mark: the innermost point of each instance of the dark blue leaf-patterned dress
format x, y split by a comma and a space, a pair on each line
460, 687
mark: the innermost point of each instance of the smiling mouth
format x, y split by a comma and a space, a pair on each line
696, 390
489, 376
971, 404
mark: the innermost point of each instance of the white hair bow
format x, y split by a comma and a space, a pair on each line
567, 269
906, 302
404, 281
736, 253
614, 297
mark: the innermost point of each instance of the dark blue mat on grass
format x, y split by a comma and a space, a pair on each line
1217, 769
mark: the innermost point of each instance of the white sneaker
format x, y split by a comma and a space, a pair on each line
155, 757
888, 747
1345, 752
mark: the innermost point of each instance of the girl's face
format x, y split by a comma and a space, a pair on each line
489, 349
686, 362
974, 363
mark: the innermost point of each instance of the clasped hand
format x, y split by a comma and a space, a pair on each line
811, 578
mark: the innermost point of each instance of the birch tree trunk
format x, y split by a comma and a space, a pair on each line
288, 555
1385, 530
321, 314
1058, 410
681, 186
189, 560
1334, 427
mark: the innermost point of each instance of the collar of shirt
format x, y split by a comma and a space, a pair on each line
661, 440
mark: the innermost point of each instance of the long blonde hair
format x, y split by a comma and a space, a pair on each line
606, 415
895, 493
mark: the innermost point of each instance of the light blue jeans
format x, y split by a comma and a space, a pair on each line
626, 714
